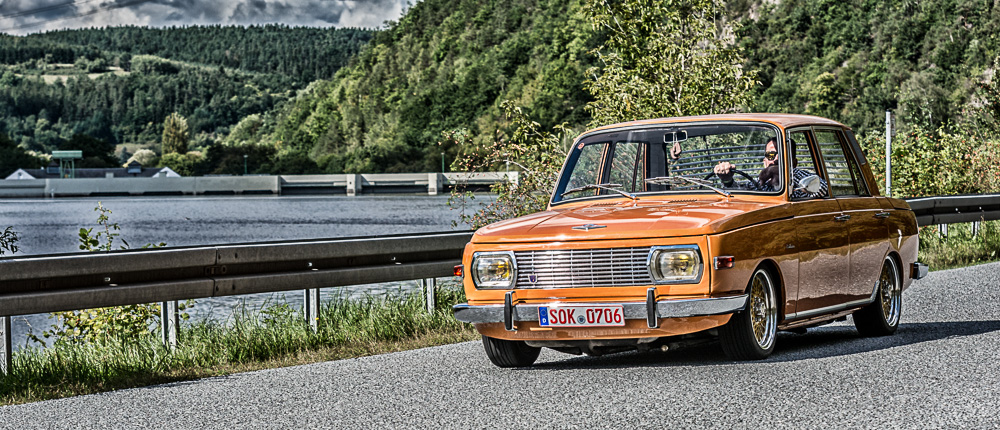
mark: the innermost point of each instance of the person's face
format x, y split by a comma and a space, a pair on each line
770, 148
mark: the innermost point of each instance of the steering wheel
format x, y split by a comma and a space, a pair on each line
739, 172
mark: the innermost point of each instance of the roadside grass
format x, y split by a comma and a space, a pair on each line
959, 248
276, 336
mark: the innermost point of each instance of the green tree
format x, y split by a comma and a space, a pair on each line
175, 134
664, 58
12, 157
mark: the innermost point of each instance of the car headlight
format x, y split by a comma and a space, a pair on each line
675, 264
494, 269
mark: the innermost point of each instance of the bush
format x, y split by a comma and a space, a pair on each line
935, 162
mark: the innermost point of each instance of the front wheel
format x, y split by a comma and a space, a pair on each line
750, 333
510, 353
881, 318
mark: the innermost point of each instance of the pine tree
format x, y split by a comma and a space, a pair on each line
175, 134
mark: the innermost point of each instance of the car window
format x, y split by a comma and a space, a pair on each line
671, 158
628, 166
804, 158
839, 167
590, 162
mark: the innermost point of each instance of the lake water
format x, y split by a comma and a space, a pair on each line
49, 226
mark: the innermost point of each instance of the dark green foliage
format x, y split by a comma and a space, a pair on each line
212, 76
852, 60
12, 157
446, 65
306, 54
96, 152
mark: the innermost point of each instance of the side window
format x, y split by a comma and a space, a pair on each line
840, 168
588, 169
628, 166
803, 158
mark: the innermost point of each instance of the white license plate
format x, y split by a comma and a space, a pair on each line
581, 316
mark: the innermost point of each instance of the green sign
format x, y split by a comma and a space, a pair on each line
67, 154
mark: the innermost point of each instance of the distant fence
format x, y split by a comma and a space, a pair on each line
60, 282
346, 184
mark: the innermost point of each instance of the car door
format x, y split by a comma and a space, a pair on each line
822, 242
865, 219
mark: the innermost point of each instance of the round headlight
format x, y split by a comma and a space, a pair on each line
494, 270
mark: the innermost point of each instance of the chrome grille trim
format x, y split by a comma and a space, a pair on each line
607, 267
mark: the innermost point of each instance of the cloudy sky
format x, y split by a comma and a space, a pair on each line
32, 16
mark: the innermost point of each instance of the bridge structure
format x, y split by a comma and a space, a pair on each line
61, 282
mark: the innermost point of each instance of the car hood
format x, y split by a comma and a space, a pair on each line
625, 219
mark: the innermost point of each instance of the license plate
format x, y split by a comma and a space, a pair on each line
581, 316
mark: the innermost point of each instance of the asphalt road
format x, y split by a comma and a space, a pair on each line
940, 370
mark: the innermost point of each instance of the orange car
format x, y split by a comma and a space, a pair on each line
668, 231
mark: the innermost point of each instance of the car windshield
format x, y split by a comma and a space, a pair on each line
673, 159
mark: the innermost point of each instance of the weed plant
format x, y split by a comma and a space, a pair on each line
276, 335
960, 247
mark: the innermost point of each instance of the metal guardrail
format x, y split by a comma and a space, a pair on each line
955, 209
52, 283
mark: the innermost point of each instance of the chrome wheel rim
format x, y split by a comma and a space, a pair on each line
763, 312
890, 293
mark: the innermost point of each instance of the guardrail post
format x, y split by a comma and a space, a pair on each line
168, 323
943, 230
7, 352
311, 308
429, 286
975, 228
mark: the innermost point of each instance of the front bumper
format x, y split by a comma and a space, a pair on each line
918, 270
651, 310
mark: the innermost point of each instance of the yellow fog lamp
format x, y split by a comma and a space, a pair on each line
675, 264
494, 270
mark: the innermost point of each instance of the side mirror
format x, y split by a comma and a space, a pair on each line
810, 184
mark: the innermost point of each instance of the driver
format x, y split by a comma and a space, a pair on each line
769, 178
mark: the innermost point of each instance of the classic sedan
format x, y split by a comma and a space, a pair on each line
670, 231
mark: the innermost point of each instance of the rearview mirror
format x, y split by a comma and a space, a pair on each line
810, 184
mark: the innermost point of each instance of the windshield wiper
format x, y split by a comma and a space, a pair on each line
609, 187
681, 180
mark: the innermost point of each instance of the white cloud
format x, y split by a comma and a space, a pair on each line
30, 16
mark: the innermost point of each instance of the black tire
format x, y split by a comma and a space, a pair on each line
510, 353
750, 334
881, 318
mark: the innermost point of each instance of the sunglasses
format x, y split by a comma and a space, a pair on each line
771, 155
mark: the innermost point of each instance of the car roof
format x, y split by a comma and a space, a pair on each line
783, 120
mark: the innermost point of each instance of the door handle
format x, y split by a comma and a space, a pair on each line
844, 217
882, 215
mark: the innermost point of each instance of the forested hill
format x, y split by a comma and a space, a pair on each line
119, 84
447, 64
305, 54
851, 60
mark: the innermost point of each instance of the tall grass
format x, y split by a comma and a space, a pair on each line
274, 336
959, 248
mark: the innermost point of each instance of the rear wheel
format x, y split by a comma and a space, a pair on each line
881, 318
510, 353
750, 333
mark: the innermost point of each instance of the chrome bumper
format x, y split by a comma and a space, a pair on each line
651, 310
919, 270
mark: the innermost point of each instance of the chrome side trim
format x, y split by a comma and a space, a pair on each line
834, 308
918, 270
679, 308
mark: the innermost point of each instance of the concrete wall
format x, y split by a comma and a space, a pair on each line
350, 184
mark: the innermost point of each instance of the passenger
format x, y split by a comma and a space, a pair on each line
769, 178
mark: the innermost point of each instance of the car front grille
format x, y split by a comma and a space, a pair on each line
610, 267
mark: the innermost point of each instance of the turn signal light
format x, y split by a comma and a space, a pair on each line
725, 262
459, 271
